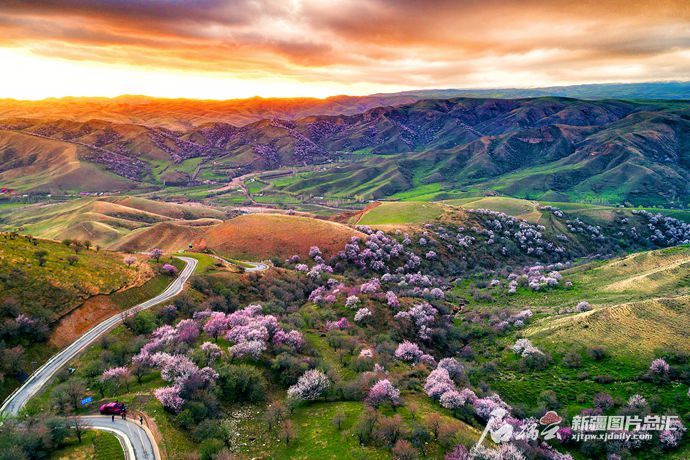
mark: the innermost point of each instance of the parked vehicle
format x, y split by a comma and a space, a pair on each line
112, 408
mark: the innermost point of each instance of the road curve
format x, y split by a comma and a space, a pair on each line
14, 403
253, 266
136, 441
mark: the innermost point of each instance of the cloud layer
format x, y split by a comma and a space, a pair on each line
386, 43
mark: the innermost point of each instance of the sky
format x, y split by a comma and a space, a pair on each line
222, 49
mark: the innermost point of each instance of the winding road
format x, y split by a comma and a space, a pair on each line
139, 440
255, 266
136, 441
252, 268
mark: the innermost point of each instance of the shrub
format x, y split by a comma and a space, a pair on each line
403, 450
659, 367
241, 383
364, 427
597, 353
603, 401
389, 430
209, 448
143, 323
572, 360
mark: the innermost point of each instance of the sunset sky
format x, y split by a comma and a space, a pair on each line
228, 49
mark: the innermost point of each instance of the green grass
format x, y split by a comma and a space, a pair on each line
176, 443
58, 283
108, 447
148, 290
240, 263
189, 166
641, 312
528, 210
318, 438
95, 445
427, 192
402, 213
254, 186
54, 289
206, 262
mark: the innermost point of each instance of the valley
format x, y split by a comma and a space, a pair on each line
370, 279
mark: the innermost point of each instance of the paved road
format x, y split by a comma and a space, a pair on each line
253, 266
45, 373
136, 441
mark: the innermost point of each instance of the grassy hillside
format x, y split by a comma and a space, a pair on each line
104, 221
262, 236
638, 329
641, 304
640, 309
57, 286
547, 148
399, 213
42, 282
50, 165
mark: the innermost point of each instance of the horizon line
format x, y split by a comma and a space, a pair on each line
344, 95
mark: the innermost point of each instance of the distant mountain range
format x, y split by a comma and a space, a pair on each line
551, 148
674, 90
187, 113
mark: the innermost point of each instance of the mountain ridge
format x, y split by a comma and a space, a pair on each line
629, 151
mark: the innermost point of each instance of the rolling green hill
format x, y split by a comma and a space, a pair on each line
548, 148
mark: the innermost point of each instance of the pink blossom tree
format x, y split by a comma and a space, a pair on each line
408, 351
170, 398
383, 392
352, 302
117, 375
454, 368
169, 269
250, 348
671, 437
177, 368
156, 254
187, 331
371, 286
392, 299
459, 452
452, 400
212, 352
363, 315
312, 384
437, 383
216, 324
341, 324
315, 252
659, 367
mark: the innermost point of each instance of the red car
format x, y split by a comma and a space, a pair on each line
112, 408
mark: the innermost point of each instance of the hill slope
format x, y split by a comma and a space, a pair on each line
546, 148
104, 220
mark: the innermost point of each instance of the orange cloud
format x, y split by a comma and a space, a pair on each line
374, 43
